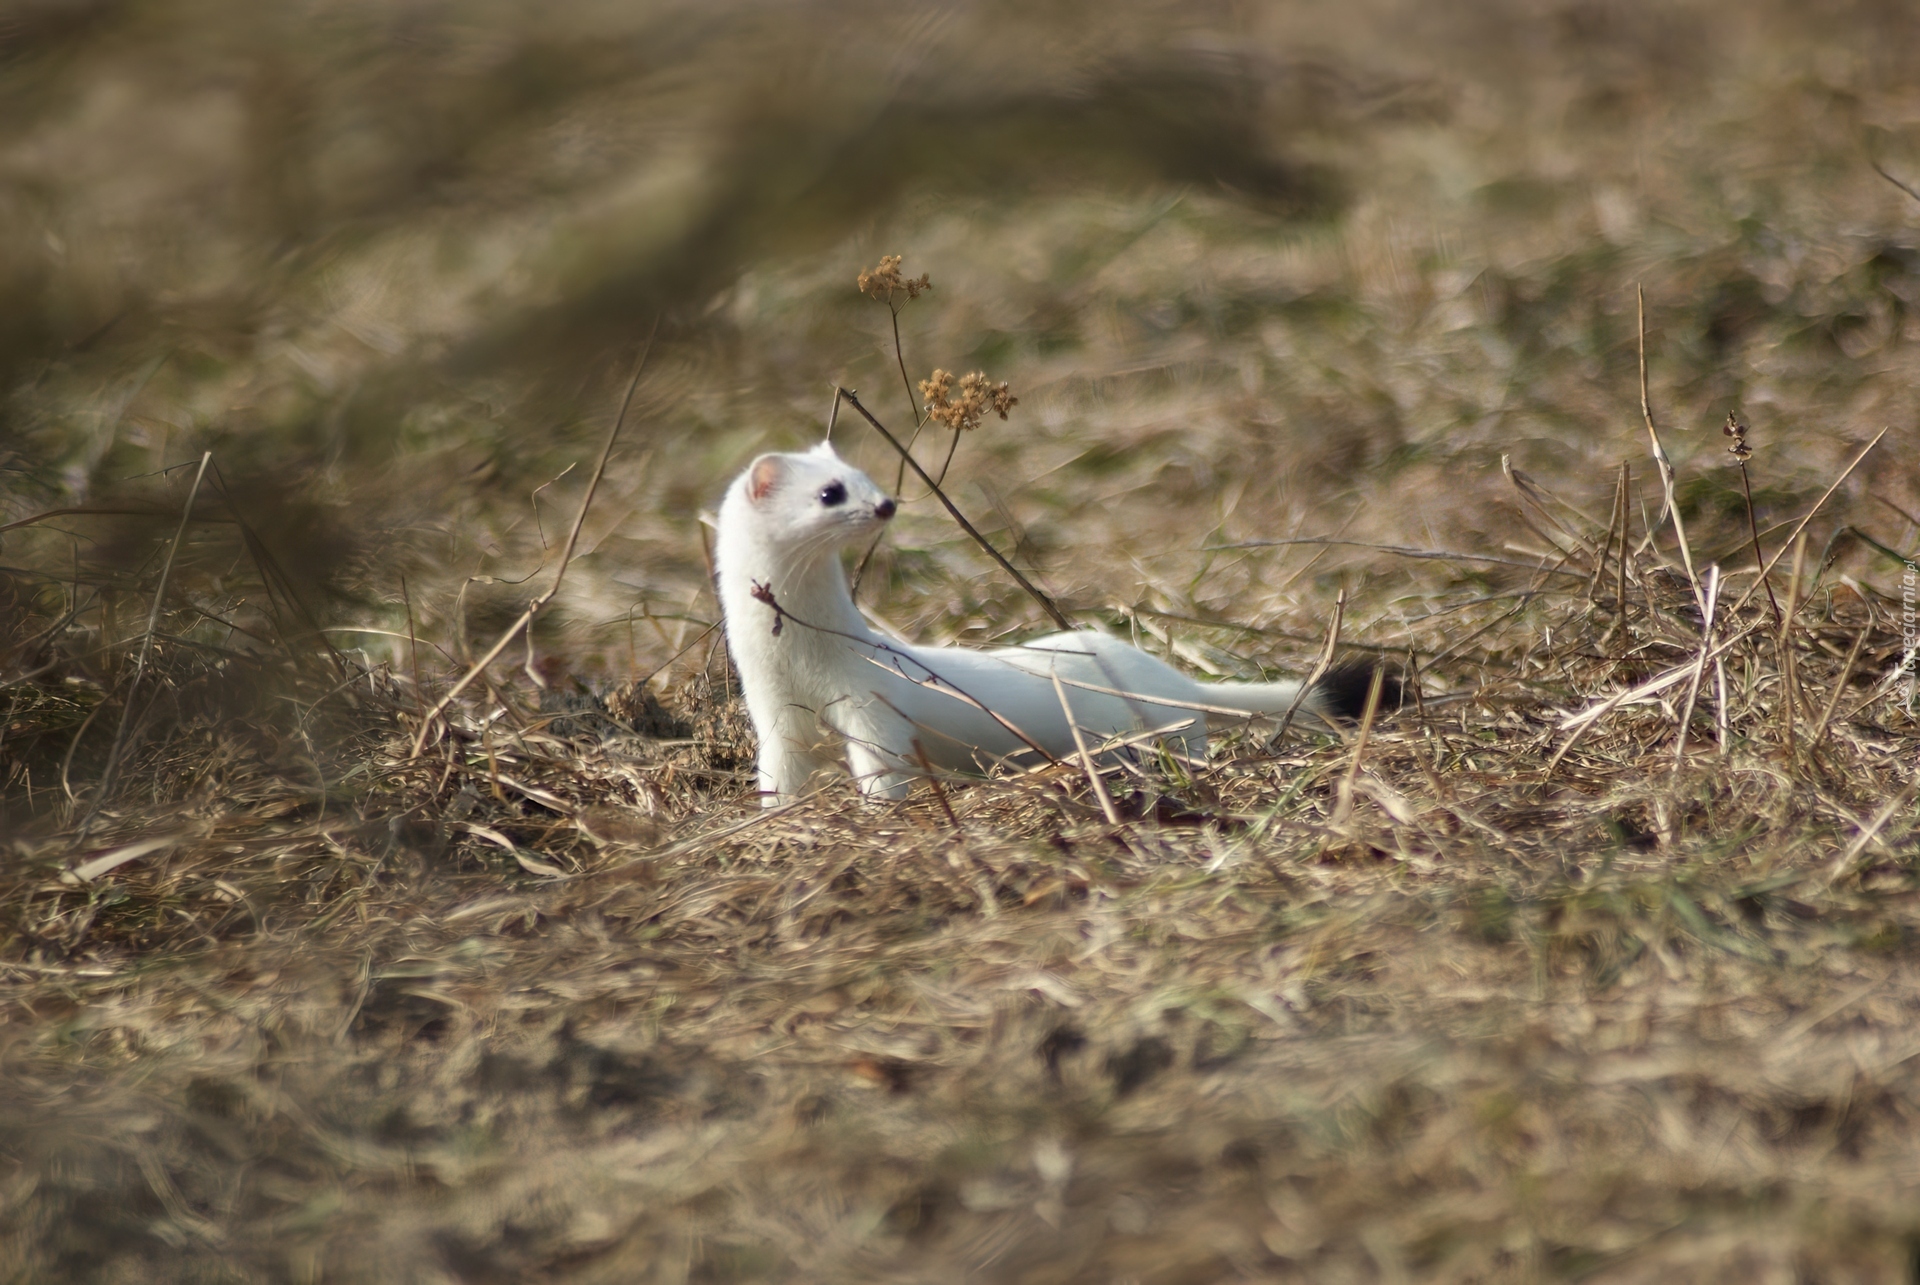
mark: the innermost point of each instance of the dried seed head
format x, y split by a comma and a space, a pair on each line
1738, 432
978, 395
884, 281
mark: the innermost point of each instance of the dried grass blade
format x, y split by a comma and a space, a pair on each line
573, 537
1343, 808
1801, 525
1790, 696
1843, 865
1321, 665
146, 649
1665, 463
1580, 723
1086, 759
1699, 668
88, 871
1606, 541
1839, 688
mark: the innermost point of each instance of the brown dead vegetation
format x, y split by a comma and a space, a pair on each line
330, 954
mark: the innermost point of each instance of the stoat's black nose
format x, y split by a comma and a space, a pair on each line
883, 510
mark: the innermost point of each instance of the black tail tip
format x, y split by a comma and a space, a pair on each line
1343, 689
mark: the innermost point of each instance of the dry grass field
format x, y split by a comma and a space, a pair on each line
330, 953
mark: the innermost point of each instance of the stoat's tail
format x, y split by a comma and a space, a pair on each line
1339, 693
1343, 689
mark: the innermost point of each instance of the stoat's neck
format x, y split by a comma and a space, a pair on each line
811, 588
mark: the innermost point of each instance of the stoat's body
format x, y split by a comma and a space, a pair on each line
818, 677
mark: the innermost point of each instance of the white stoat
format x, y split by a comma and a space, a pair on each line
817, 676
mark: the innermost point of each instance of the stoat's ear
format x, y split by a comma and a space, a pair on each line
764, 477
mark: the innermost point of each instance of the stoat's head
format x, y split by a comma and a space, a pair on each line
810, 503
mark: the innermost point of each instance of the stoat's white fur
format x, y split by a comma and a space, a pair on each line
818, 677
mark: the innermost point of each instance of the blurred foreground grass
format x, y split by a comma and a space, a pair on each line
555, 1003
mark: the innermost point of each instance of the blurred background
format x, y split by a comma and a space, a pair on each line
553, 1004
1253, 270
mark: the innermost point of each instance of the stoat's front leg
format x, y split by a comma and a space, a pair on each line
880, 751
791, 745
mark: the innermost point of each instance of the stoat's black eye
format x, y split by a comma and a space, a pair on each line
833, 494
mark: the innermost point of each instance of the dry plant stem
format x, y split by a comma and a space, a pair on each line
140, 663
1839, 690
1759, 559
1606, 547
573, 538
1877, 169
1790, 698
1666, 465
1620, 589
1699, 669
952, 445
1320, 666
1720, 721
27, 648
66, 760
900, 474
413, 654
1045, 602
1535, 497
1580, 724
1616, 521
1398, 550
1818, 504
1086, 759
271, 572
913, 407
93, 510
933, 781
1912, 521
1343, 807
1843, 865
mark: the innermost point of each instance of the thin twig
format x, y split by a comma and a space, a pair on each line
1045, 602
1843, 865
1661, 458
1783, 641
1086, 759
1579, 724
1606, 546
1626, 517
947, 463
1818, 504
1536, 496
1839, 688
1891, 179
1399, 551
933, 781
272, 573
92, 510
573, 537
1699, 669
413, 654
140, 663
1759, 559
1320, 666
919, 422
1343, 805
913, 409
